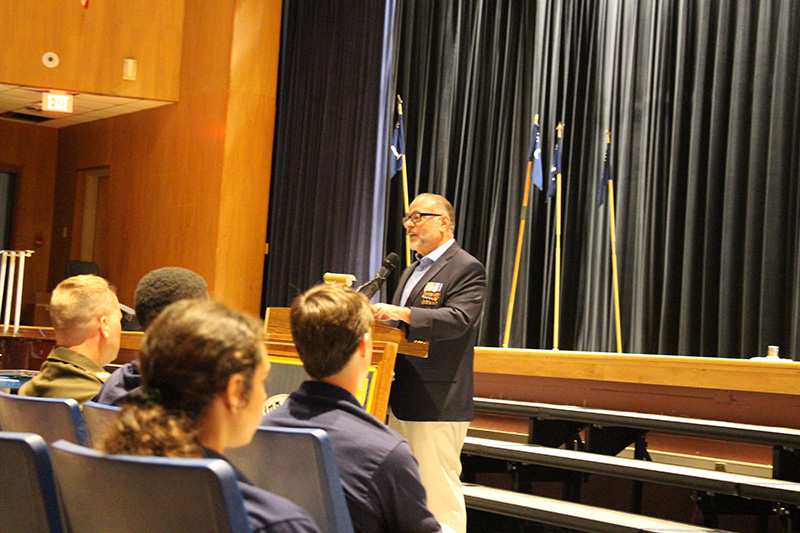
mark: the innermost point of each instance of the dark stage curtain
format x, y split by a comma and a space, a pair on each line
330, 151
702, 101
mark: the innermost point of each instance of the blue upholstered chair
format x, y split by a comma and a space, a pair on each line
103, 493
297, 464
52, 418
98, 417
27, 491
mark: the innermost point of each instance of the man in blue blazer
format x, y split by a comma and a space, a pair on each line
439, 300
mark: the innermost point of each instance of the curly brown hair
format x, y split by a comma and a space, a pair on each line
188, 356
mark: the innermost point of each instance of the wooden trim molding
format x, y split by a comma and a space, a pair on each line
776, 377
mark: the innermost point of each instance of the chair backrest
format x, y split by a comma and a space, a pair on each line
111, 493
52, 418
98, 417
299, 465
28, 492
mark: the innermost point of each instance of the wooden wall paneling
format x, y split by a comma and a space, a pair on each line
188, 183
146, 30
40, 27
164, 186
31, 151
92, 43
248, 152
206, 55
165, 163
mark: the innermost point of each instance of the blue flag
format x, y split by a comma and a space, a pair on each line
398, 147
555, 169
605, 178
535, 157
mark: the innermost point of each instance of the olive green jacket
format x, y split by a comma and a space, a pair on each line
66, 374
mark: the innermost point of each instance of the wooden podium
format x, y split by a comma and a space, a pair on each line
287, 374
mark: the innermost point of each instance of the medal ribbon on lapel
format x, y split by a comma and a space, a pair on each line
431, 293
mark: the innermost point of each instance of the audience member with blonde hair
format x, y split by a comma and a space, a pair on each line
85, 314
203, 371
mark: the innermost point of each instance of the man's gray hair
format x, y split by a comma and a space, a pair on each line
445, 205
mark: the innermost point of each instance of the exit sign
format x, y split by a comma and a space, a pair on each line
57, 101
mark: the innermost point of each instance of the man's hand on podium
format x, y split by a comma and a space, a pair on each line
391, 312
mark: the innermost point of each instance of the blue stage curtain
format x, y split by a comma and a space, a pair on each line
702, 100
331, 144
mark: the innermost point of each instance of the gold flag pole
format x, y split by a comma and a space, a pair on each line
612, 224
557, 299
405, 184
510, 313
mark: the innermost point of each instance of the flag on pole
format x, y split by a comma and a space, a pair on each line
555, 169
535, 157
398, 147
605, 177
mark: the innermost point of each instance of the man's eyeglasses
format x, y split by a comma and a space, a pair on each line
416, 218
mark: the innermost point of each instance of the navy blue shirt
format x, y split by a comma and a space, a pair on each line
379, 474
122, 381
268, 512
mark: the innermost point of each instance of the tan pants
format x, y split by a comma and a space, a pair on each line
437, 447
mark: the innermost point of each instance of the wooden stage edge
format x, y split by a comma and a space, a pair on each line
774, 377
743, 391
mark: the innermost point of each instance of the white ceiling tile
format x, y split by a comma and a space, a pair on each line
147, 104
86, 106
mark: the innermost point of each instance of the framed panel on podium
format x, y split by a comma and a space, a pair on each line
287, 372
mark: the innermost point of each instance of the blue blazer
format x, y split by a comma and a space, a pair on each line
446, 306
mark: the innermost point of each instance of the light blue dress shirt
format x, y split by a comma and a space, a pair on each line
422, 267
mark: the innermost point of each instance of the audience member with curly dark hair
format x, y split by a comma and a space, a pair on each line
203, 373
155, 291
163, 286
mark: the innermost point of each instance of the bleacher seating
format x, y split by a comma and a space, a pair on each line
570, 439
574, 516
712, 429
752, 487
609, 432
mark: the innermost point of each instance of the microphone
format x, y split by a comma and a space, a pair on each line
372, 286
